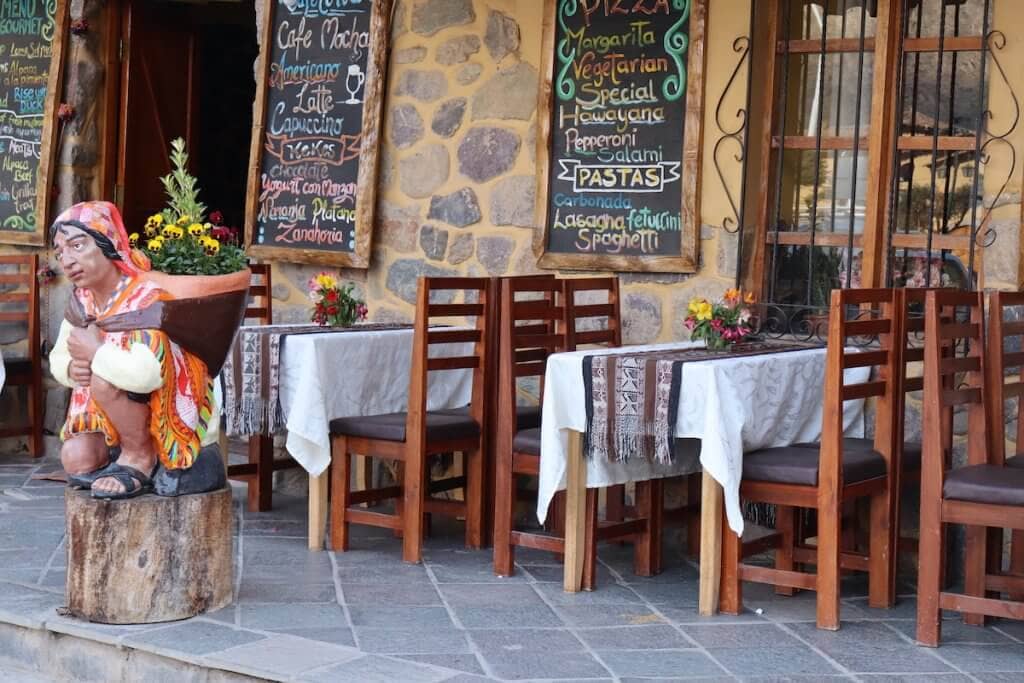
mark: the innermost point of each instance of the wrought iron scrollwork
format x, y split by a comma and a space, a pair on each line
734, 134
984, 235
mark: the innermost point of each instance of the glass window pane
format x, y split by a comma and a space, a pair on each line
835, 97
950, 102
963, 18
842, 19
806, 276
840, 200
913, 210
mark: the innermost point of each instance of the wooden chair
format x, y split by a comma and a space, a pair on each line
531, 330
592, 317
258, 472
985, 493
604, 326
823, 478
27, 371
410, 437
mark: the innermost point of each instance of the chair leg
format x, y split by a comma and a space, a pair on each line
473, 468
881, 553
589, 581
730, 593
615, 503
1017, 559
975, 560
647, 545
556, 519
931, 558
399, 501
260, 487
35, 414
364, 475
785, 525
829, 539
693, 514
412, 507
341, 465
504, 514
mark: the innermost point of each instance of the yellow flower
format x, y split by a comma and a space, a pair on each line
172, 231
211, 245
184, 220
704, 311
133, 239
196, 229
695, 305
155, 244
156, 219
326, 281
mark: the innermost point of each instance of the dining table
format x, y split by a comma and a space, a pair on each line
295, 379
3, 372
731, 402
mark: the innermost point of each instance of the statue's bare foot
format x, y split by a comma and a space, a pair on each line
128, 477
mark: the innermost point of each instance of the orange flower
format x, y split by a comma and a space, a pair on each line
749, 298
732, 295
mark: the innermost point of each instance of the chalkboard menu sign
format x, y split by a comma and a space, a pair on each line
620, 145
30, 34
314, 157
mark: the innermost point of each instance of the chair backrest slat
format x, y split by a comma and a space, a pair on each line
577, 334
954, 375
260, 310
430, 350
863, 332
530, 315
1005, 341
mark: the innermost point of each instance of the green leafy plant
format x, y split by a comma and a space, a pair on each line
178, 240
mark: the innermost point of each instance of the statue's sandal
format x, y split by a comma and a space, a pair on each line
85, 481
135, 483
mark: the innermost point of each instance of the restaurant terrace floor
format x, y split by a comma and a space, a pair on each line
365, 616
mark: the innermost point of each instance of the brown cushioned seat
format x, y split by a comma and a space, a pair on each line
441, 426
527, 441
799, 465
13, 367
527, 417
911, 450
985, 484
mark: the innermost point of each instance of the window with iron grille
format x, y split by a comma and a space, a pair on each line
874, 140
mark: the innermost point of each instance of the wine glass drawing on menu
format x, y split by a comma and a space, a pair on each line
354, 74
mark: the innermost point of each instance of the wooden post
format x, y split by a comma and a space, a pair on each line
575, 514
710, 544
149, 559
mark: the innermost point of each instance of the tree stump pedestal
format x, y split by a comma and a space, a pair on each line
148, 559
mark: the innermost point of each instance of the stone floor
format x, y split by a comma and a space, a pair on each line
363, 615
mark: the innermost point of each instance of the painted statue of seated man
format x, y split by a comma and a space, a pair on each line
142, 408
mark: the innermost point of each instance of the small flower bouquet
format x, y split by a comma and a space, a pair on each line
333, 302
721, 324
178, 240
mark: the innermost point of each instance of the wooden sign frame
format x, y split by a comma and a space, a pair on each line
49, 143
369, 159
687, 261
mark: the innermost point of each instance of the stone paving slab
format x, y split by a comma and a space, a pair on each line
365, 616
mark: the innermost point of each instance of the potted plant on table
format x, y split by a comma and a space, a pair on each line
334, 303
722, 323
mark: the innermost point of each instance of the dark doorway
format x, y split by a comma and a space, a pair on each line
187, 71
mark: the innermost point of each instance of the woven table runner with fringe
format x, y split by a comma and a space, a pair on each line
633, 398
251, 374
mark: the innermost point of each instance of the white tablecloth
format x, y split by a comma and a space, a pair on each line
347, 374
730, 404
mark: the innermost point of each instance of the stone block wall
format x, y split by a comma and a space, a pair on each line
457, 182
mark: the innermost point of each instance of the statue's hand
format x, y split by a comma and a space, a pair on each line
83, 343
80, 372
